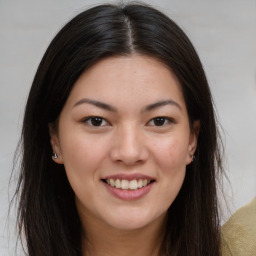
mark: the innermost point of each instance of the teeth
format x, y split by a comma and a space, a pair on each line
111, 182
126, 184
133, 184
118, 183
140, 183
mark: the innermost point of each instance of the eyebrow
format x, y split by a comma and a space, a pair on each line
96, 103
108, 107
161, 104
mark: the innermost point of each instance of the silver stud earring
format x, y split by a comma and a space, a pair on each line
193, 158
54, 156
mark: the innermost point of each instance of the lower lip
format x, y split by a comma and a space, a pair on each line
129, 194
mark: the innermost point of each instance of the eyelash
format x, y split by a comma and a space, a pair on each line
166, 120
91, 119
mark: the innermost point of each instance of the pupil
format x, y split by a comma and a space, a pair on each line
96, 121
159, 121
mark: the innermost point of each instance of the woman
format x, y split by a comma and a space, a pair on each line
121, 99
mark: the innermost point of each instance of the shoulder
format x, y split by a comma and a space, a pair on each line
239, 232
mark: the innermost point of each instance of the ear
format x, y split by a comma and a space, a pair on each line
193, 141
54, 140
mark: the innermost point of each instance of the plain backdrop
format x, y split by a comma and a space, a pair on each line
222, 31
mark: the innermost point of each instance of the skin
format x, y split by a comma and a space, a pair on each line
127, 142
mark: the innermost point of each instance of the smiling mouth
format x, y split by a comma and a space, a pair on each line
124, 184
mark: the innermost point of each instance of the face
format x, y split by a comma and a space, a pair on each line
125, 140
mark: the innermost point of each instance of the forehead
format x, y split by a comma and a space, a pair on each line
136, 78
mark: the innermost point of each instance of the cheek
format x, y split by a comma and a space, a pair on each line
82, 155
170, 152
82, 159
170, 157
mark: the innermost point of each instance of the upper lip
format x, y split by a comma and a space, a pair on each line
129, 177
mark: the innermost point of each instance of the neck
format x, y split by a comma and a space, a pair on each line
109, 241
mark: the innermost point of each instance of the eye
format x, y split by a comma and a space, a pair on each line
96, 121
159, 121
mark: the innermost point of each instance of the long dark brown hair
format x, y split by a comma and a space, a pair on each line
47, 213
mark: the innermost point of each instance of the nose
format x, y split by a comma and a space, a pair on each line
129, 146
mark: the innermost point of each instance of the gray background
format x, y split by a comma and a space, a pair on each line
224, 34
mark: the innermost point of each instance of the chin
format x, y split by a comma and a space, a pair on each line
129, 225
134, 220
